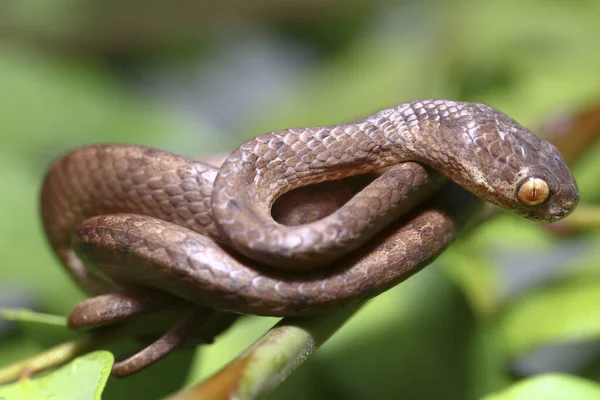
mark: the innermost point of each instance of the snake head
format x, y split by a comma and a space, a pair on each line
498, 159
546, 191
525, 174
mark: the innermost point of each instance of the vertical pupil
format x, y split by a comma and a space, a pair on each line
533, 191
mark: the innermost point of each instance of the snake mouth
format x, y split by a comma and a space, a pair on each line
548, 212
560, 214
565, 209
561, 210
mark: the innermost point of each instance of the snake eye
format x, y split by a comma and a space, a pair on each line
533, 191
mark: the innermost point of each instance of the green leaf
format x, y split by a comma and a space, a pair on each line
83, 378
550, 387
561, 313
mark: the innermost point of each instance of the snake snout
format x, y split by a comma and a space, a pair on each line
565, 202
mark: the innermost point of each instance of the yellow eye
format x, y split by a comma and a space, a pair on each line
533, 191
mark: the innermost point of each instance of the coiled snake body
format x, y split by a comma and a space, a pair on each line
145, 218
475, 145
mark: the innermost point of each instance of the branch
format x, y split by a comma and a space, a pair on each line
265, 364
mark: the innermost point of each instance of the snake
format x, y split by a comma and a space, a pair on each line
129, 216
480, 148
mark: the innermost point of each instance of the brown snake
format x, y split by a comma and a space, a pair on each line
145, 218
478, 147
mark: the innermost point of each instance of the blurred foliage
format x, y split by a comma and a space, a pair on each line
470, 325
550, 387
